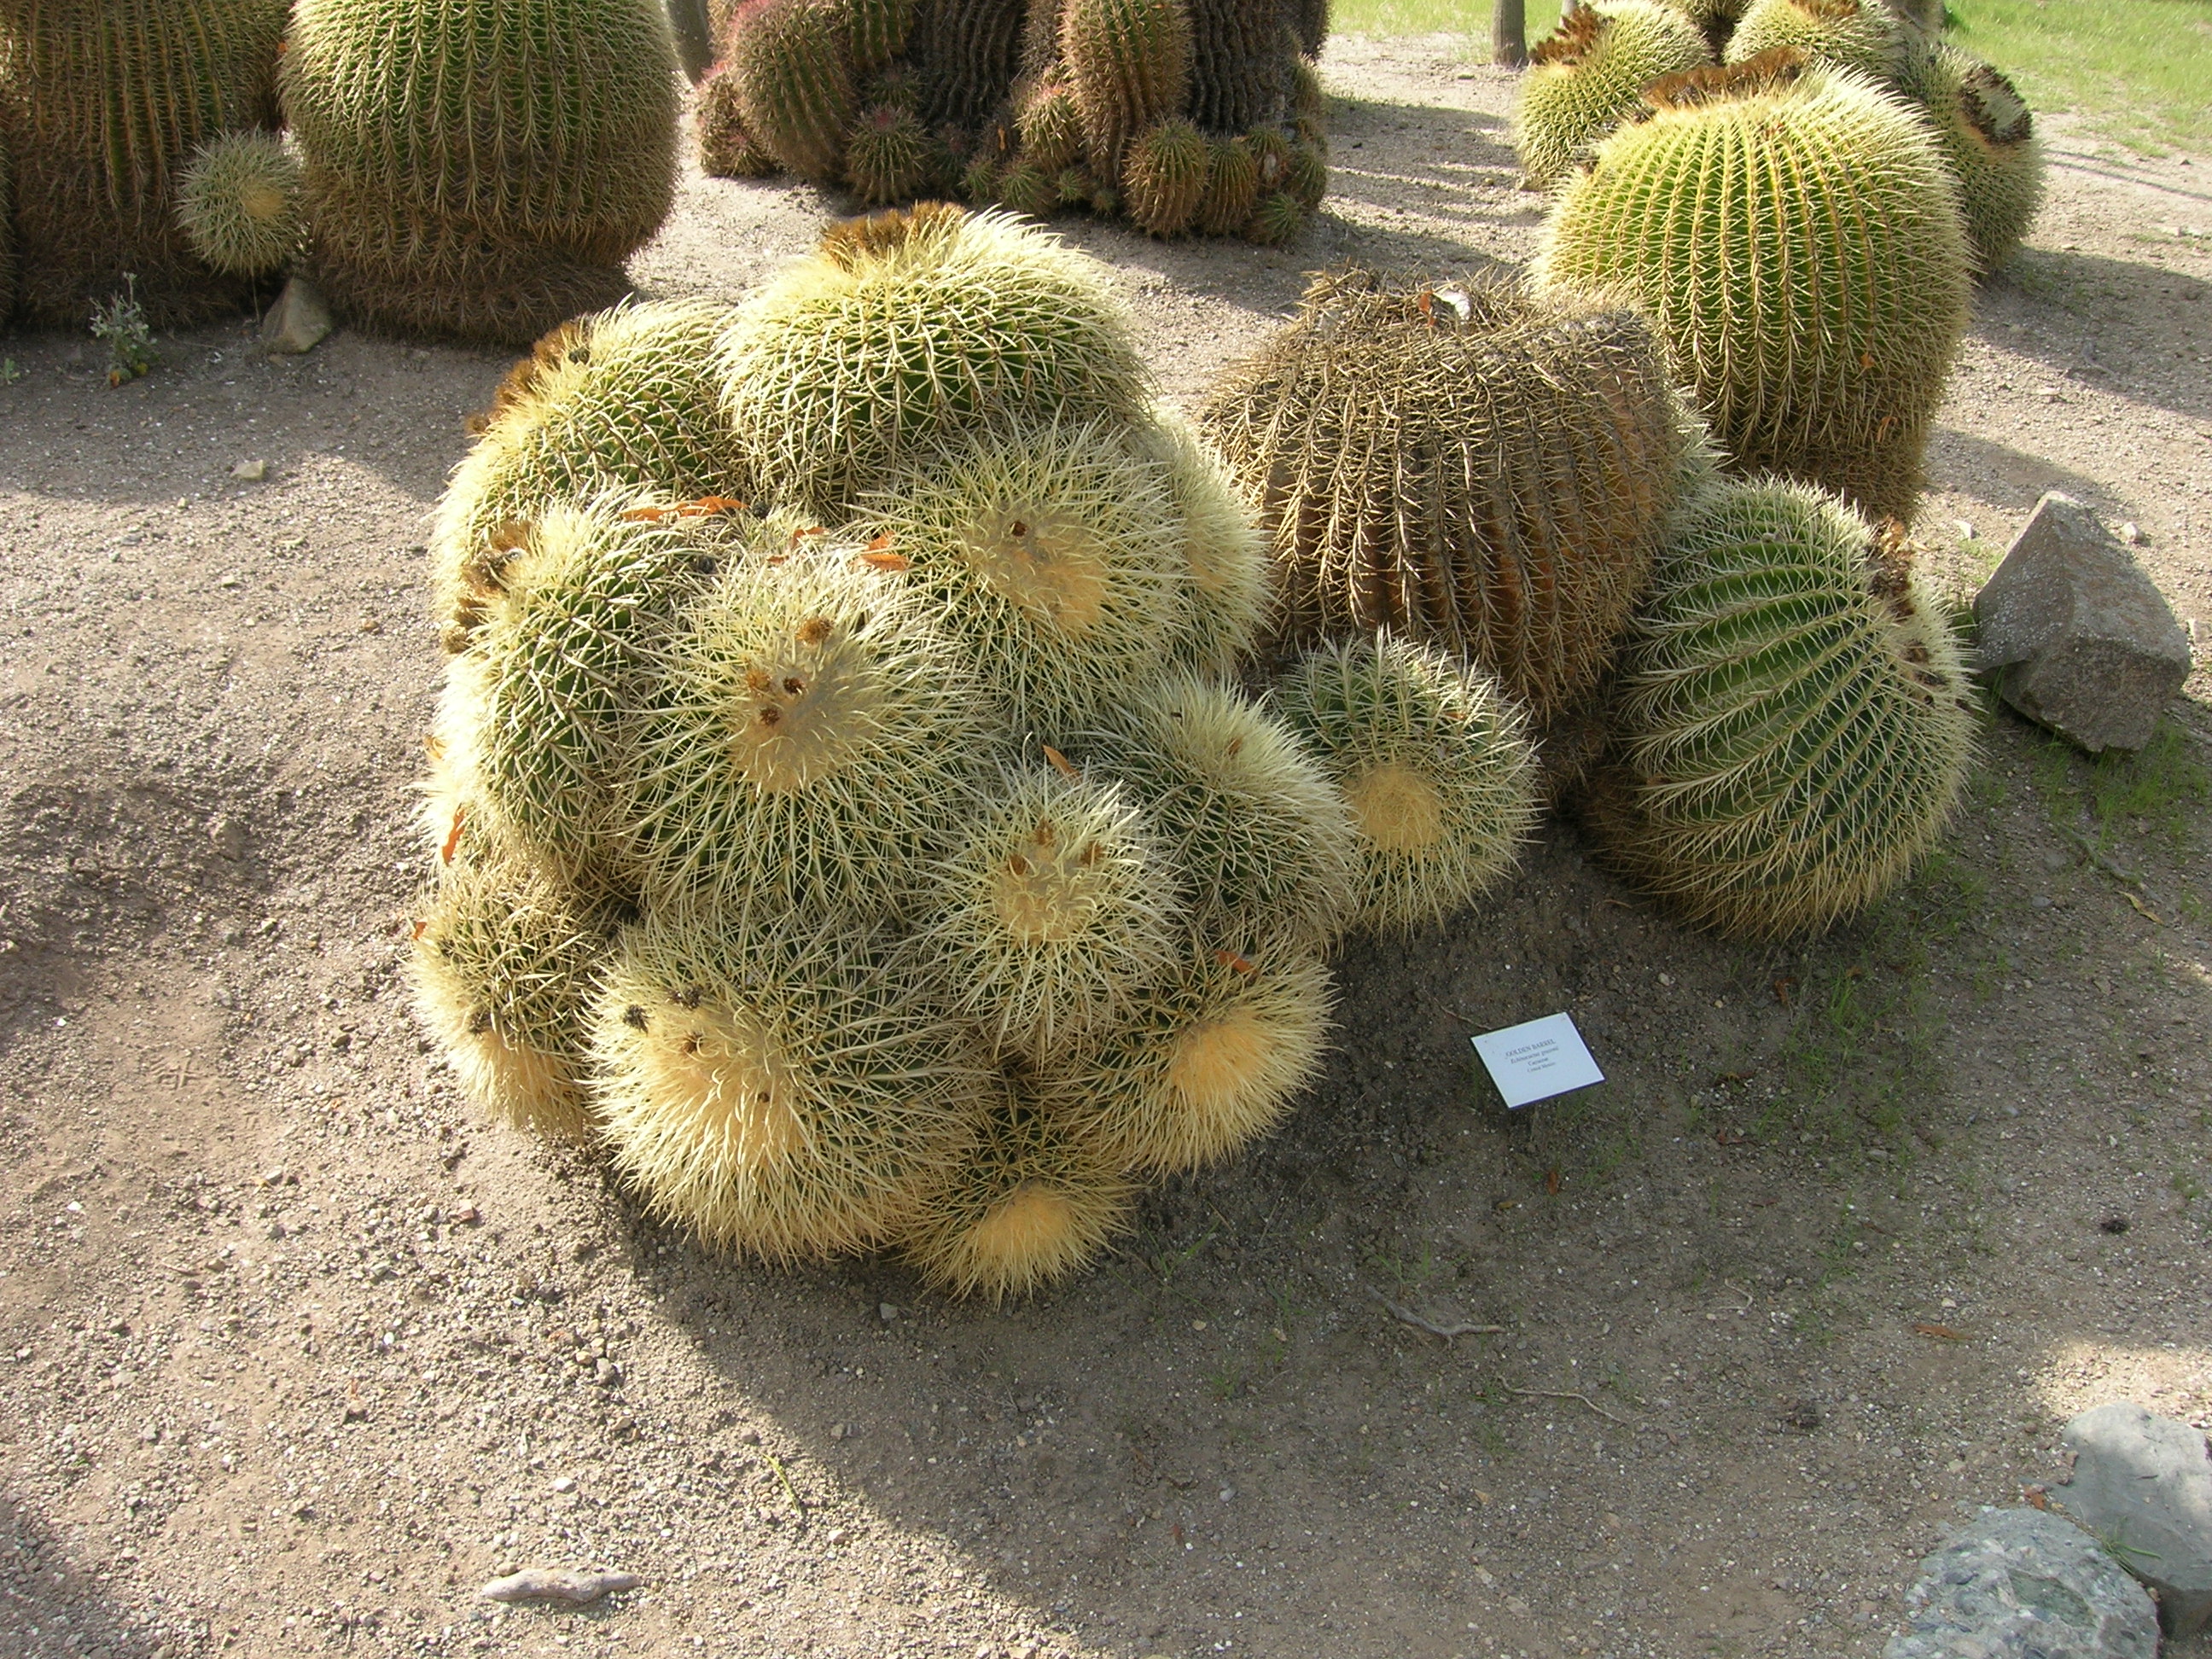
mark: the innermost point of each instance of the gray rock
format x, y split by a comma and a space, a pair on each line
2025, 1584
297, 322
2143, 1484
2075, 635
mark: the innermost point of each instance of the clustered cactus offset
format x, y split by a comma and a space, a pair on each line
881, 856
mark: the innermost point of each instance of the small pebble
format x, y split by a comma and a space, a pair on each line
251, 471
576, 1588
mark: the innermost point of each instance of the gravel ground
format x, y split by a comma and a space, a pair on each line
295, 1352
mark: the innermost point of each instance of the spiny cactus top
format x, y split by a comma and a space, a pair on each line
1794, 721
1462, 463
1590, 77
1866, 35
1795, 234
1988, 135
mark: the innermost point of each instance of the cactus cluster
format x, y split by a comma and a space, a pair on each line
479, 169
102, 109
1590, 77
1186, 116
843, 814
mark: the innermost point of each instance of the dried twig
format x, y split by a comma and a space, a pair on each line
2089, 850
789, 1491
1570, 1393
1408, 1317
575, 1590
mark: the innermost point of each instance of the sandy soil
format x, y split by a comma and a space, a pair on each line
295, 1352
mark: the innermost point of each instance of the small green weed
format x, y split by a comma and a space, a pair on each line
119, 323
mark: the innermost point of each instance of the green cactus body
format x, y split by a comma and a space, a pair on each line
796, 95
1075, 186
1459, 464
7, 231
726, 149
568, 650
878, 30
1263, 840
1271, 156
896, 86
1051, 126
1232, 189
1240, 58
778, 1088
889, 157
1128, 61
101, 108
906, 331
1307, 179
628, 401
1224, 551
1055, 559
479, 168
811, 746
1054, 915
1793, 726
1834, 375
1988, 135
968, 52
1279, 217
1164, 176
1309, 98
1590, 77
1864, 35
239, 201
1034, 1203
1431, 759
1027, 189
1716, 19
505, 961
1213, 1060
979, 181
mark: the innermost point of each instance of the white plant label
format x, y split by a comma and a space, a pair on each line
1537, 1059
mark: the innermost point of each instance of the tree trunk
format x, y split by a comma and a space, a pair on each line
1509, 33
694, 36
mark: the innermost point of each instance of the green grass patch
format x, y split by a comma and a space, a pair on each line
2135, 71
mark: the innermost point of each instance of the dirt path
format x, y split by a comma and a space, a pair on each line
295, 1352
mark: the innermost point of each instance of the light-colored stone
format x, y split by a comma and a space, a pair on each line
2023, 1583
2075, 635
298, 321
251, 471
2143, 1484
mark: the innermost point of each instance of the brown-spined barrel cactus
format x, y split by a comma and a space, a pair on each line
478, 169
102, 107
1431, 758
1834, 375
1056, 558
1866, 35
1165, 175
909, 329
1793, 726
797, 93
727, 149
1463, 463
1988, 135
506, 958
627, 401
1232, 188
1590, 77
811, 746
1241, 57
777, 1088
1051, 126
1035, 1201
1128, 61
239, 201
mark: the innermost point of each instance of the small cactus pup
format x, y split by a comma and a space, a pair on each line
1793, 727
780, 1089
1051, 126
811, 746
792, 61
1988, 135
1227, 599
1590, 77
1027, 189
1165, 176
1834, 375
910, 328
888, 155
1869, 36
1213, 1060
568, 649
629, 400
1128, 61
1263, 840
1232, 188
1431, 759
727, 149
505, 962
239, 201
479, 169
1055, 559
1055, 913
101, 108
1278, 218
1033, 1204
1459, 463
